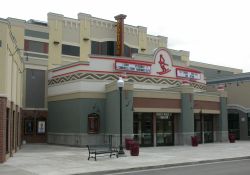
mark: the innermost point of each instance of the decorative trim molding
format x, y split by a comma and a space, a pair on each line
77, 95
173, 110
238, 107
114, 77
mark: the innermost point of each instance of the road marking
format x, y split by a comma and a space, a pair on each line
181, 166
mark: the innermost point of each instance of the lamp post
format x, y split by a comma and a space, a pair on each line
120, 85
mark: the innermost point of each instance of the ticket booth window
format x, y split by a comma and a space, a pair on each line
93, 123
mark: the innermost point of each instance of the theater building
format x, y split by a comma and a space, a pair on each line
58, 85
161, 106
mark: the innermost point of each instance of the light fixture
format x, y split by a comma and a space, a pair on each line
120, 85
56, 42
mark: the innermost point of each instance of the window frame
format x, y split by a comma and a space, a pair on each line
93, 123
70, 50
41, 122
26, 120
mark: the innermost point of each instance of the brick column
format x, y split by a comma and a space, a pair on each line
3, 102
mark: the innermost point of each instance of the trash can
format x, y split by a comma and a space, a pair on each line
231, 138
128, 143
134, 151
194, 140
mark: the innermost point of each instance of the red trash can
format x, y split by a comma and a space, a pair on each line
194, 140
134, 151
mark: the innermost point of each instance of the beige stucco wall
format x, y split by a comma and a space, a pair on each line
3, 54
11, 66
55, 23
239, 94
85, 42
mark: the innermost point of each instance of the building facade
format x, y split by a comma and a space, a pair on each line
159, 106
23, 87
237, 87
11, 72
69, 67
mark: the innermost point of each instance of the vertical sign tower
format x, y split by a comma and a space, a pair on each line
120, 34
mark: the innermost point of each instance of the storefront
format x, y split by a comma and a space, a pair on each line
160, 103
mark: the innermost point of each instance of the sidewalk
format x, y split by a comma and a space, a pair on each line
61, 160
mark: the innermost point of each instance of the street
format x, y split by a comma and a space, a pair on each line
239, 167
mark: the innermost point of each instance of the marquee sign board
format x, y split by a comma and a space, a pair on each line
188, 74
133, 67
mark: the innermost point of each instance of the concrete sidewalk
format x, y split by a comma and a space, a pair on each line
60, 160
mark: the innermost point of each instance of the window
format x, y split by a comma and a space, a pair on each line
70, 50
0, 43
109, 48
35, 88
35, 46
94, 47
28, 126
128, 51
36, 34
93, 123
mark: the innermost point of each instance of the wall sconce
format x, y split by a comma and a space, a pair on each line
85, 39
143, 49
56, 42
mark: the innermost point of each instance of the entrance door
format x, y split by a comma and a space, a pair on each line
147, 129
208, 129
143, 128
203, 128
233, 125
198, 128
164, 131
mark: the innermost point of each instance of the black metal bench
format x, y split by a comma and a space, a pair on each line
95, 150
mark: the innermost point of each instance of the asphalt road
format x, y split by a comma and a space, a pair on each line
239, 167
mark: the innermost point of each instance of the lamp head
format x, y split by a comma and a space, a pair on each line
120, 83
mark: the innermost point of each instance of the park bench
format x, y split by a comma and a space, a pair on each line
107, 149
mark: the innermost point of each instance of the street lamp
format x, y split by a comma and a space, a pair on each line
120, 85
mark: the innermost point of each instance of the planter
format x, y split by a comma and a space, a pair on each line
194, 141
231, 138
134, 151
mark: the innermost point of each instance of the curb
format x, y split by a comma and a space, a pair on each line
163, 166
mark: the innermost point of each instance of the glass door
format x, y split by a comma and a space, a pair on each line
143, 128
147, 129
233, 125
164, 131
208, 129
198, 129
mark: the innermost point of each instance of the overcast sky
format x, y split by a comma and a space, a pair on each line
214, 31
